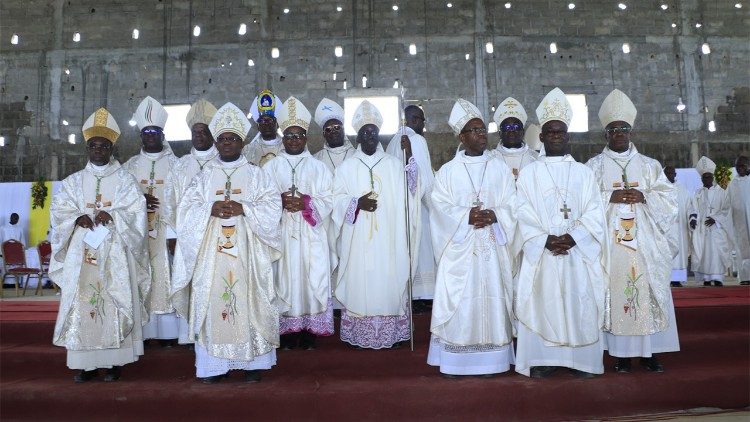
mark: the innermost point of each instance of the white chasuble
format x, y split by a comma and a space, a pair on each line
228, 261
259, 151
152, 171
712, 246
303, 278
739, 198
681, 231
560, 299
373, 264
424, 273
100, 315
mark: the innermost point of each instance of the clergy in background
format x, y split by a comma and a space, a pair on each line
739, 198
13, 230
562, 279
329, 115
680, 230
303, 277
473, 219
641, 208
186, 167
228, 237
100, 258
710, 221
151, 168
267, 143
424, 273
369, 211
510, 118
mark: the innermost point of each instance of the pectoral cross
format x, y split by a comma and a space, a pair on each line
626, 184
98, 203
228, 191
477, 202
293, 190
151, 184
515, 173
565, 210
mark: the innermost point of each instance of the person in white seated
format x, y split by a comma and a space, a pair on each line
13, 231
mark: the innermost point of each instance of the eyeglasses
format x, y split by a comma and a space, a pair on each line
290, 136
103, 147
370, 132
228, 139
511, 127
624, 129
332, 128
476, 130
151, 131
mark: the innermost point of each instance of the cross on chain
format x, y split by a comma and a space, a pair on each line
98, 203
477, 202
228, 191
151, 184
565, 210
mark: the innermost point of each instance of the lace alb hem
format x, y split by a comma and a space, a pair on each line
374, 332
320, 324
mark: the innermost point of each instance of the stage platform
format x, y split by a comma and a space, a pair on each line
336, 382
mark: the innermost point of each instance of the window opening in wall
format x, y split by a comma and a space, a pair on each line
580, 122
176, 129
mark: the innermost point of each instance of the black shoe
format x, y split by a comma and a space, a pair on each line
706, 284
582, 374
307, 341
85, 376
113, 374
652, 364
450, 376
252, 376
289, 341
675, 284
745, 283
212, 380
167, 343
542, 371
623, 365
718, 283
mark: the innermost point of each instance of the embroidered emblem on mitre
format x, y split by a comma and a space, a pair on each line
293, 113
101, 124
554, 106
201, 112
531, 137
264, 105
462, 112
327, 110
150, 113
617, 107
705, 165
229, 118
510, 107
366, 114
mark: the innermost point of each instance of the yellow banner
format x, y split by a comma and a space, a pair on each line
39, 218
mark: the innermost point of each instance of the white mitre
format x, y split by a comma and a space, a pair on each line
705, 165
150, 113
462, 112
201, 112
293, 113
101, 124
229, 118
617, 107
327, 110
531, 137
366, 114
510, 107
554, 106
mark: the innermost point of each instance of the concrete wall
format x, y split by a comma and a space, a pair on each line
48, 78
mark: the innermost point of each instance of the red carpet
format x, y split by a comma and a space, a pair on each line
335, 382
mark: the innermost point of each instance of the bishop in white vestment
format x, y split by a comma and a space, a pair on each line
680, 230
739, 199
473, 200
641, 208
228, 237
187, 167
100, 259
710, 222
303, 278
267, 143
151, 168
562, 280
369, 212
510, 118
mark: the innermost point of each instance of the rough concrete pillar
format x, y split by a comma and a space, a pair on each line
691, 73
480, 75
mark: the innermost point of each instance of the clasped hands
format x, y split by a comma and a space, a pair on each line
102, 218
627, 196
226, 209
292, 203
152, 202
480, 218
559, 245
708, 222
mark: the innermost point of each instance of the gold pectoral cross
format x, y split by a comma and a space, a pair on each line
228, 192
151, 184
626, 184
98, 203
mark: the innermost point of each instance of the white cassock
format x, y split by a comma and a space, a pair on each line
681, 232
259, 151
303, 277
471, 313
101, 313
151, 170
186, 167
560, 300
13, 231
233, 320
516, 158
739, 198
712, 246
424, 273
641, 318
332, 158
373, 264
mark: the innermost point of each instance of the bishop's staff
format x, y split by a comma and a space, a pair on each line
408, 226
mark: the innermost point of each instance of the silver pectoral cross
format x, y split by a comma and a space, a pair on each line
477, 202
293, 190
565, 210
